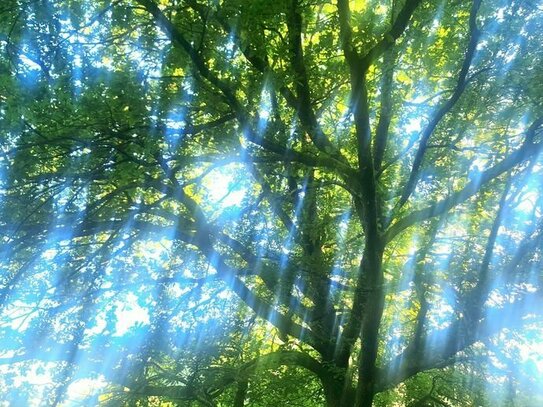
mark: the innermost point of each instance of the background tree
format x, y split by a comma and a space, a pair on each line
236, 202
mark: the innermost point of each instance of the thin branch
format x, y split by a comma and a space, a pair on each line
521, 155
446, 107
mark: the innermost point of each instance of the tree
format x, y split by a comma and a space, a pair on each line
349, 188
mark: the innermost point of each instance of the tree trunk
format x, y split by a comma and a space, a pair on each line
373, 311
239, 400
338, 393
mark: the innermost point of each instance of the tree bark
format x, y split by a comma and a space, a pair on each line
373, 312
239, 399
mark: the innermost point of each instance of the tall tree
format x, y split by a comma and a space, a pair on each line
197, 194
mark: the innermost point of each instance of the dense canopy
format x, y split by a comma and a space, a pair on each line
264, 203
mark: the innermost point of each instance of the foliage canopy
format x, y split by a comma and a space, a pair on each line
235, 202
